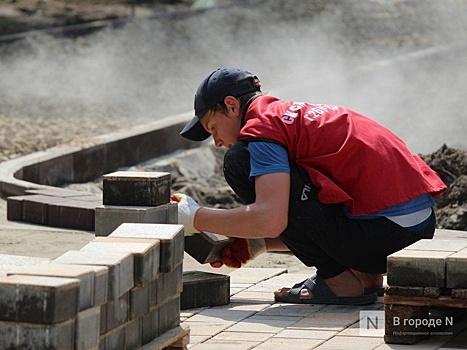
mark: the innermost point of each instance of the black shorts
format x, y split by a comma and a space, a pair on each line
321, 235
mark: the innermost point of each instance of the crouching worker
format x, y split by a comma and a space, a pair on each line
338, 190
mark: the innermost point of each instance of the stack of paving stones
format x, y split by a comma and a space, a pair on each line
117, 292
55, 207
427, 290
120, 291
135, 197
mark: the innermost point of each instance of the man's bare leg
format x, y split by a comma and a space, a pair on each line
369, 280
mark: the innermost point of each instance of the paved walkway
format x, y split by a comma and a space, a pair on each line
254, 321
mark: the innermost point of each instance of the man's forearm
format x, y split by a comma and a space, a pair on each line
243, 222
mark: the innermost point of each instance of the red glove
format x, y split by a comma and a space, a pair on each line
240, 252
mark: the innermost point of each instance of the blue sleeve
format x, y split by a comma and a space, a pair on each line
268, 157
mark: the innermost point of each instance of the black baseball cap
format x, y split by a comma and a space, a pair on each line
223, 82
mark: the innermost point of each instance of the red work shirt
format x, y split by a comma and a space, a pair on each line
350, 158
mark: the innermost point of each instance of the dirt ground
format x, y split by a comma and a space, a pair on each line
23, 15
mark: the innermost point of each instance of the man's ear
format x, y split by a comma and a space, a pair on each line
232, 104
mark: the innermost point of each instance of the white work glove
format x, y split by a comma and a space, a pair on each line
187, 209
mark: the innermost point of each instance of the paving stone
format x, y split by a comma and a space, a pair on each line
206, 247
119, 264
171, 240
226, 314
456, 270
227, 345
361, 343
334, 321
136, 188
244, 336
118, 311
101, 284
15, 208
59, 336
418, 268
38, 299
140, 303
31, 208
84, 274
306, 334
149, 326
109, 217
113, 340
262, 325
133, 334
146, 254
10, 263
75, 214
88, 329
168, 285
206, 328
285, 343
442, 245
255, 275
204, 289
168, 316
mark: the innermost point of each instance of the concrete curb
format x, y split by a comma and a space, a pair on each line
68, 164
74, 164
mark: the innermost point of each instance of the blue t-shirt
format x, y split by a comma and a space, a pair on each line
270, 157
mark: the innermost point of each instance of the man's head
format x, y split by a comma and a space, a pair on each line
213, 90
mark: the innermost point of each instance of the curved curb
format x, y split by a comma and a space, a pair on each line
29, 181
69, 164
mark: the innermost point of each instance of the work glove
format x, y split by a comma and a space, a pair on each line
240, 252
187, 209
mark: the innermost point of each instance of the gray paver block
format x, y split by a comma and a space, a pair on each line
69, 213
418, 268
101, 284
149, 326
109, 217
133, 334
442, 245
171, 240
206, 247
10, 263
168, 285
15, 208
456, 270
35, 209
38, 299
84, 274
119, 264
168, 316
202, 289
87, 329
118, 311
59, 336
136, 188
113, 340
146, 254
139, 301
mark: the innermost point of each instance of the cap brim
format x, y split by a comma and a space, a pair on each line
194, 130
